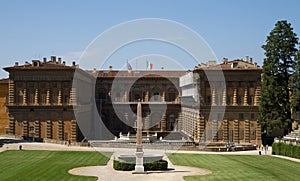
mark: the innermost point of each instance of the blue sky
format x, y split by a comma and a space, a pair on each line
234, 28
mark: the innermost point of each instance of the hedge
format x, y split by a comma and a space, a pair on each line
286, 150
157, 165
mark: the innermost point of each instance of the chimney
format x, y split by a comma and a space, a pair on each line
64, 62
255, 64
73, 63
250, 61
247, 59
59, 60
16, 64
44, 59
110, 68
53, 58
225, 60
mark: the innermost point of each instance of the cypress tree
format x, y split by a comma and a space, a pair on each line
275, 105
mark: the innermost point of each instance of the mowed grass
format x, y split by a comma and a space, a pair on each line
239, 167
47, 165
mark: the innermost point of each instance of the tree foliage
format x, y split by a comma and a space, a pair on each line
278, 68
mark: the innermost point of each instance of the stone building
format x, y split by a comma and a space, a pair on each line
41, 101
158, 91
227, 106
4, 125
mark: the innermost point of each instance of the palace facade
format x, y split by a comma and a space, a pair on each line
40, 101
228, 96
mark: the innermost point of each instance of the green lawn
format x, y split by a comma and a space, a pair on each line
239, 167
47, 165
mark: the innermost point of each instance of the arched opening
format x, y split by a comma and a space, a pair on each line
155, 95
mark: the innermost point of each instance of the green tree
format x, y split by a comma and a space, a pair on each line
295, 84
275, 105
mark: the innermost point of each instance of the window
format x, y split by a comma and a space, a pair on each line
229, 84
156, 96
31, 98
251, 84
43, 98
19, 84
253, 134
240, 84
42, 85
252, 116
250, 100
171, 95
136, 97
31, 128
235, 65
31, 85
229, 100
66, 84
54, 84
241, 116
240, 100
66, 99
208, 100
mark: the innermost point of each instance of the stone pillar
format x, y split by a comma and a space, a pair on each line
258, 134
246, 97
59, 98
202, 127
224, 97
163, 97
125, 96
37, 129
11, 124
163, 123
48, 97
247, 131
213, 97
73, 130
198, 136
73, 98
257, 96
236, 131
215, 130
25, 128
235, 97
25, 97
225, 131
11, 92
60, 130
147, 96
36, 97
49, 129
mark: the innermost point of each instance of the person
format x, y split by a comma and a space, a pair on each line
69, 142
262, 147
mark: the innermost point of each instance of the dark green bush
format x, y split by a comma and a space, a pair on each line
286, 150
157, 165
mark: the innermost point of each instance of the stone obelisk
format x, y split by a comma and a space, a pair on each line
139, 167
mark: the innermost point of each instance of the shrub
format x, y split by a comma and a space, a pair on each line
157, 165
286, 150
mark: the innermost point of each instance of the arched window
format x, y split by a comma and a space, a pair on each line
155, 95
171, 95
171, 123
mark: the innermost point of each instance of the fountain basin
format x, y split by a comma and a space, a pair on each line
146, 158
